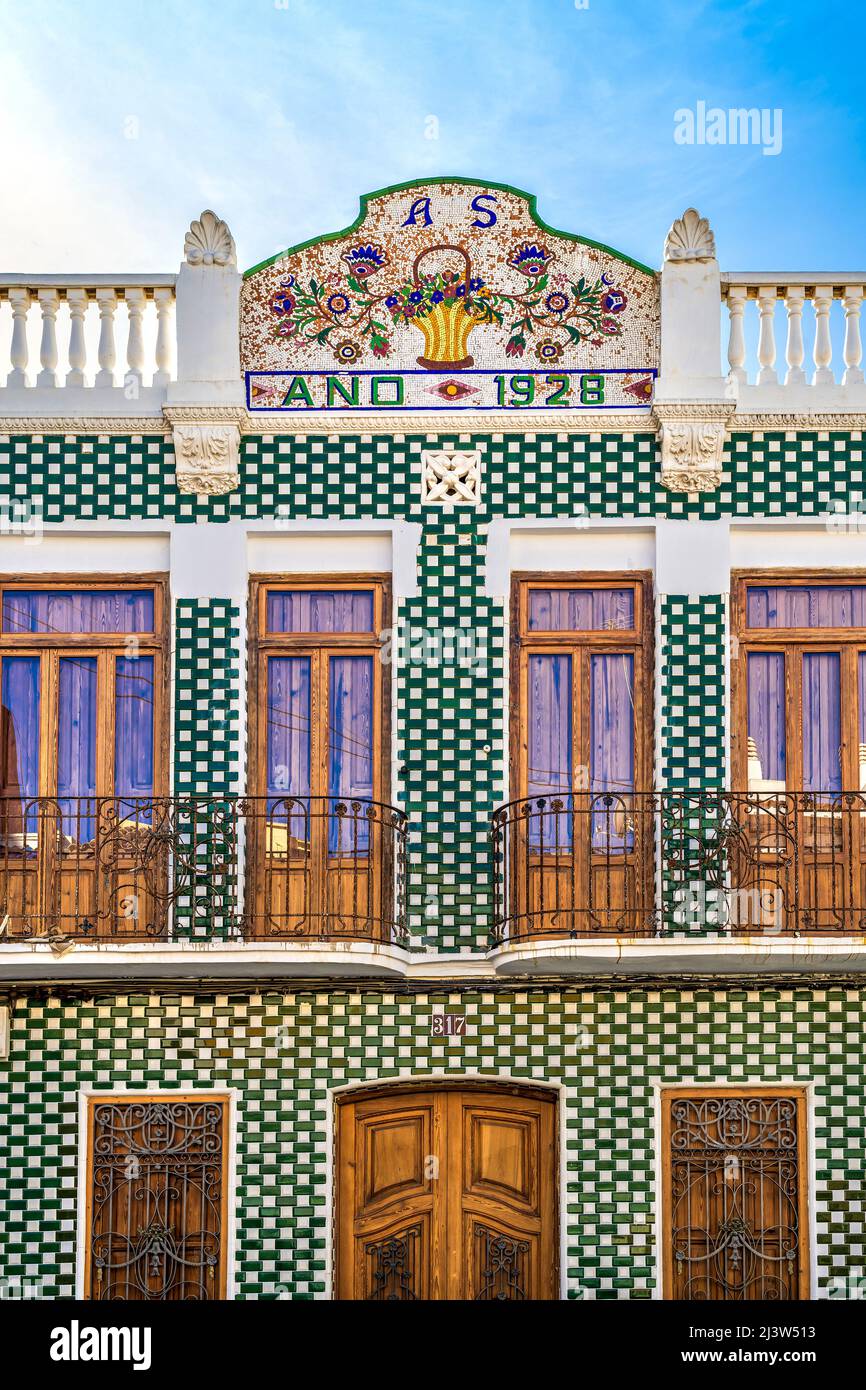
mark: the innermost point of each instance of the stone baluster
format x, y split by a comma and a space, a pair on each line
767, 337
852, 300
795, 298
136, 299
106, 352
49, 302
822, 352
737, 296
20, 301
77, 301
164, 299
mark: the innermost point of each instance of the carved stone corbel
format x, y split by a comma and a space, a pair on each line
692, 437
206, 448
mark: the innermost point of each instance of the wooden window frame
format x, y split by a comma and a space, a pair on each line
263, 644
638, 640
800, 1094
91, 1101
793, 642
59, 644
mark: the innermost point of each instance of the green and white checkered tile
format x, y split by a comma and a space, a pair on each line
283, 1055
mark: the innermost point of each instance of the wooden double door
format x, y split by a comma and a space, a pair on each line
447, 1193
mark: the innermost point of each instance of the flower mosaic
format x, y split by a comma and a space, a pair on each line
448, 276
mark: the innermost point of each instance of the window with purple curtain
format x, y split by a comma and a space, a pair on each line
133, 737
288, 750
78, 610
611, 767
19, 750
861, 725
822, 722
319, 610
581, 610
806, 605
766, 721
550, 748
350, 750
76, 746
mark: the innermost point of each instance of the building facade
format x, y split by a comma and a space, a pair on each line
434, 756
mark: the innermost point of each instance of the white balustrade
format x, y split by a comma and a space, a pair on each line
853, 352
87, 355
832, 304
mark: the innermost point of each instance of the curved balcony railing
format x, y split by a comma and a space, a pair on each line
324, 867
679, 863
200, 868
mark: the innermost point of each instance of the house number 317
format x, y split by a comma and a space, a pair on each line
448, 1026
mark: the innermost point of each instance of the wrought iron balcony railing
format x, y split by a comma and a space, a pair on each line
200, 868
323, 867
641, 864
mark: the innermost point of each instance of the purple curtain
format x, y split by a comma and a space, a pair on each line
337, 610
550, 748
580, 610
19, 749
766, 716
822, 722
83, 610
350, 749
76, 746
837, 605
289, 737
133, 734
611, 767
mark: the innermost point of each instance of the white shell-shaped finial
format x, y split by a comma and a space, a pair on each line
690, 239
209, 242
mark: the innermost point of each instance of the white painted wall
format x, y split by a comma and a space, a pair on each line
588, 549
808, 547
337, 552
70, 553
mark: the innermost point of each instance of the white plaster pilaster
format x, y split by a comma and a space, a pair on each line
693, 557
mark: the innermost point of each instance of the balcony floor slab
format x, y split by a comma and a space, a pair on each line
216, 960
751, 955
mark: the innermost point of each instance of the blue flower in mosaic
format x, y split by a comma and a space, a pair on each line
364, 261
529, 259
557, 302
338, 303
282, 302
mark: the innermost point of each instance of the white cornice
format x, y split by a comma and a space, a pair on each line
268, 423
83, 424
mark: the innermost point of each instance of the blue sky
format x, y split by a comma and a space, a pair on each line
120, 122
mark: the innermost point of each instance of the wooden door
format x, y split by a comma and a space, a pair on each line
447, 1194
735, 1194
799, 748
318, 842
579, 839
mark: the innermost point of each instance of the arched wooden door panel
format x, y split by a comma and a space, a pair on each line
447, 1193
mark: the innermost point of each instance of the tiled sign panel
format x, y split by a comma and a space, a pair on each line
469, 390
456, 293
